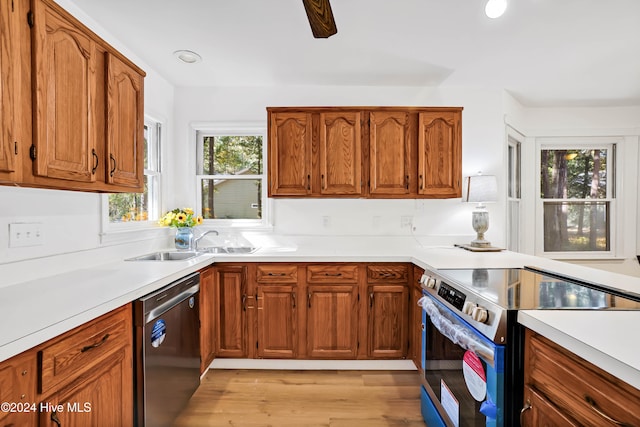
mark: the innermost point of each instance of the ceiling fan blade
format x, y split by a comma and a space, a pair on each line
320, 18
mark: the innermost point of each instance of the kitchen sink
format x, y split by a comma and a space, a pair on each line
166, 256
228, 250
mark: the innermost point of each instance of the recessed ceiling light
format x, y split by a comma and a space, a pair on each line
187, 56
495, 8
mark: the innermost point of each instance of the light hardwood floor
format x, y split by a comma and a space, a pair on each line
251, 398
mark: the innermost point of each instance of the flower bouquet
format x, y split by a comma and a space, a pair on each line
183, 220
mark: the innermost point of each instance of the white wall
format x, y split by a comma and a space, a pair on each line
482, 136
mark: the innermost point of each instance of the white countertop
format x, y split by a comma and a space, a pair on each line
36, 310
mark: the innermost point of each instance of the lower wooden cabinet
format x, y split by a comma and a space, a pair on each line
207, 317
415, 319
310, 311
562, 389
83, 377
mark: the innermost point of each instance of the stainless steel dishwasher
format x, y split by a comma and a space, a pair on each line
167, 351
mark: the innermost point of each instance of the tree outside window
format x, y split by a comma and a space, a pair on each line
577, 198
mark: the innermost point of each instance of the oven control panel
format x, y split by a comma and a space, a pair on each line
452, 296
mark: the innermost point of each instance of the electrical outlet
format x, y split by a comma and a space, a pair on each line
326, 221
405, 221
25, 234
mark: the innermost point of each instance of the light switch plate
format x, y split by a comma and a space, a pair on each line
23, 234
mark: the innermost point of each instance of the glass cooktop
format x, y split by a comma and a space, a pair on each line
523, 289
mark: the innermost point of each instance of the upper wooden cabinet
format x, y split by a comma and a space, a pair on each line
370, 152
439, 154
72, 112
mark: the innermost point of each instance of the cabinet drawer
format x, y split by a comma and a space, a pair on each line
585, 393
332, 273
275, 273
68, 356
387, 274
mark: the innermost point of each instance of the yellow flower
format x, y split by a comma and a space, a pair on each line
199, 220
188, 211
181, 217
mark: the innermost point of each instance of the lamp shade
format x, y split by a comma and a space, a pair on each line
480, 189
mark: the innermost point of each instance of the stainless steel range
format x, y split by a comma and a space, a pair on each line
473, 344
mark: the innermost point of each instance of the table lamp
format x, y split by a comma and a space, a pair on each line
480, 189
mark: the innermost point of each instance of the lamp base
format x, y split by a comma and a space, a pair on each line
480, 243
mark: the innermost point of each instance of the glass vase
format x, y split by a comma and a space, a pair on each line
184, 238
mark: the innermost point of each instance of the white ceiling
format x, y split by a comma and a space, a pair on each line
543, 52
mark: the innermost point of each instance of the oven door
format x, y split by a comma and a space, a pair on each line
463, 370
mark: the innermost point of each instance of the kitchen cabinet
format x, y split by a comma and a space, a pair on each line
290, 148
9, 91
440, 154
367, 152
391, 148
388, 314
332, 311
231, 324
207, 317
567, 389
277, 311
82, 377
76, 118
18, 380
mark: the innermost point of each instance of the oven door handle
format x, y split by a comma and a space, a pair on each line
456, 331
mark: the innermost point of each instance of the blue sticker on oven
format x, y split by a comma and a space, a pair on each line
158, 333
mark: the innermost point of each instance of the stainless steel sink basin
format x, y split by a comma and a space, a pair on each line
166, 256
228, 250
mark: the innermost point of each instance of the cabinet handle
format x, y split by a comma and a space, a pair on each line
407, 182
55, 419
309, 299
293, 298
594, 406
95, 160
244, 302
308, 182
96, 345
113, 161
524, 409
371, 300
421, 182
322, 179
333, 274
275, 274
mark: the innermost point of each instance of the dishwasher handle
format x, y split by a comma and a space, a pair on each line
158, 303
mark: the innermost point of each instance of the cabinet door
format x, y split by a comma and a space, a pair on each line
125, 125
388, 321
539, 412
105, 398
18, 379
332, 321
416, 327
340, 153
290, 144
440, 154
7, 87
207, 318
277, 321
231, 316
64, 69
389, 153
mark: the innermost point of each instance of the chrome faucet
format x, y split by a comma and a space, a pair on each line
195, 240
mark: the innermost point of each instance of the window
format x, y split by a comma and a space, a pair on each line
514, 210
577, 198
230, 176
138, 207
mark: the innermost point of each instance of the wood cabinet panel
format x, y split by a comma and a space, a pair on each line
65, 358
207, 318
390, 153
332, 273
332, 321
64, 61
290, 145
277, 309
277, 273
18, 379
231, 311
582, 391
539, 412
125, 125
9, 69
439, 154
385, 273
340, 153
388, 321
415, 325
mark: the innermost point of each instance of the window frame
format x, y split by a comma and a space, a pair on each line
514, 190
615, 214
156, 127
202, 130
